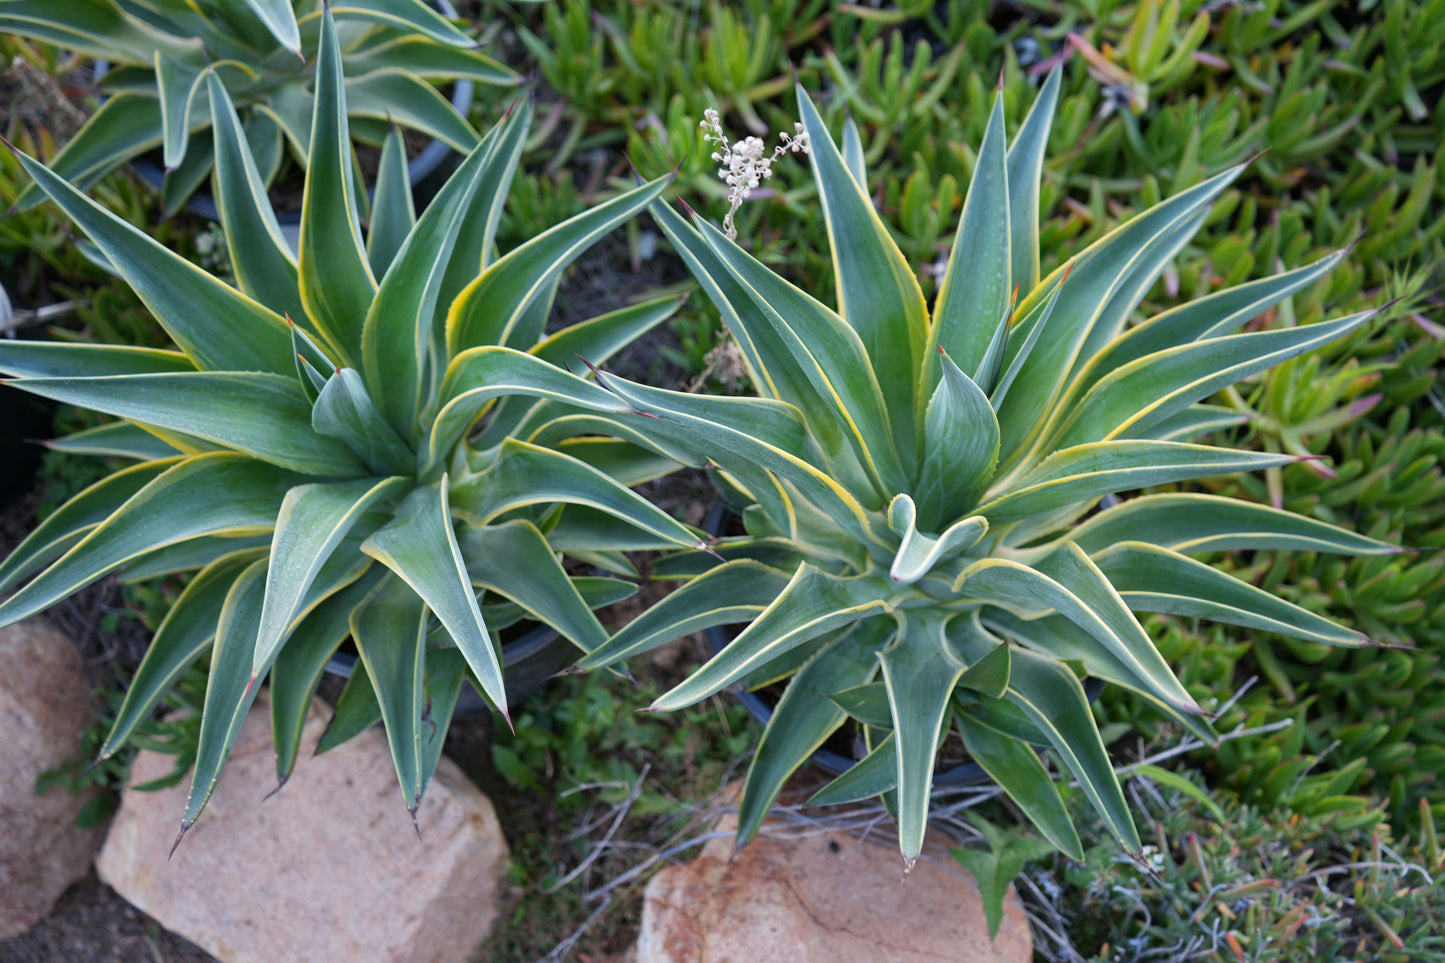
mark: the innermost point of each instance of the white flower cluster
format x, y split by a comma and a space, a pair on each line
745, 164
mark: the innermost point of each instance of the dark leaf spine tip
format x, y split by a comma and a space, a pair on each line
411, 811
280, 781
908, 863
185, 826
1000, 79
687, 207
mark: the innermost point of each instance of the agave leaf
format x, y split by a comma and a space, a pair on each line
868, 704
873, 775
1066, 581
479, 375
1212, 316
1104, 281
917, 554
187, 556
393, 214
177, 84
988, 660
344, 410
830, 354
182, 503
194, 168
583, 529
397, 334
1076, 475
920, 671
423, 57
409, 16
1025, 167
1054, 701
1211, 523
280, 20
1020, 774
1154, 579
1194, 421
127, 125
230, 688
398, 96
301, 663
337, 286
389, 628
515, 560
973, 297
262, 415
213, 323
734, 592
1131, 399
311, 524
59, 359
853, 152
69, 523
1020, 341
528, 475
261, 258
184, 634
108, 32
600, 338
117, 439
961, 441
265, 140
357, 708
446, 670
489, 310
804, 718
877, 291
812, 603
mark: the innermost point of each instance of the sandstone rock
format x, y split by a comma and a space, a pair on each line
327, 869
45, 702
821, 897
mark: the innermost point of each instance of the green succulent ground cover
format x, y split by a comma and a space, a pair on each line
1346, 100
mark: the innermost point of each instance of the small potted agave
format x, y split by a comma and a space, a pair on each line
158, 58
371, 441
941, 531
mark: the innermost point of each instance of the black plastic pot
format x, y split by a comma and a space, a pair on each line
961, 776
529, 661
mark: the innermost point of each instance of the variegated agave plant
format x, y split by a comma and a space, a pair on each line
922, 489
321, 477
266, 53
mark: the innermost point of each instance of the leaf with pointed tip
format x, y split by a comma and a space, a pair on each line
193, 170
1129, 400
127, 125
302, 661
389, 628
401, 97
280, 20
184, 634
230, 688
813, 603
988, 658
409, 16
873, 775
261, 258
177, 84
344, 410
337, 286
180, 504
446, 670
72, 521
118, 439
357, 708
878, 293
1020, 774
1194, 421
312, 522
1025, 168
1079, 475
973, 297
425, 58
1211, 523
393, 213
804, 718
262, 415
514, 560
59, 359
489, 310
186, 556
1053, 700
420, 546
868, 704
853, 153
1020, 341
100, 28
960, 452
214, 324
529, 475
1154, 579
918, 553
920, 671
734, 592
599, 338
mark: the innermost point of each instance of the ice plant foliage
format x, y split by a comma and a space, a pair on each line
744, 165
403, 464
265, 52
927, 547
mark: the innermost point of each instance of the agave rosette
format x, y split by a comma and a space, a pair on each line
331, 478
917, 488
265, 51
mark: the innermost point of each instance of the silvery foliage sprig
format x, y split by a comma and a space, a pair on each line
745, 164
